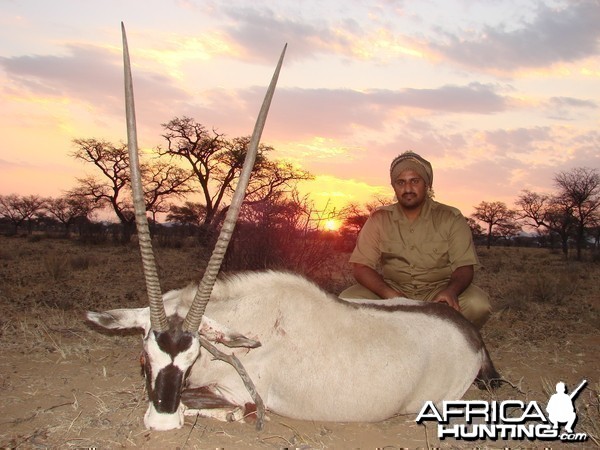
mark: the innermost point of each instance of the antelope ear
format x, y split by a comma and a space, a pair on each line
220, 334
121, 319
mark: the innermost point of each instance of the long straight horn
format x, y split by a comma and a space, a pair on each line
158, 317
194, 316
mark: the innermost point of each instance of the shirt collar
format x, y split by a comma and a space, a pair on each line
398, 214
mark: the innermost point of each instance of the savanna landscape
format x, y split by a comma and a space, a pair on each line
65, 385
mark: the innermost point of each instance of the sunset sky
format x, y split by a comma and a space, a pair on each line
498, 95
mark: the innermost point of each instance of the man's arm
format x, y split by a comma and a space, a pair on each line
460, 280
373, 281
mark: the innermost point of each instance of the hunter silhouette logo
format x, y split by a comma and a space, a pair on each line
560, 406
508, 419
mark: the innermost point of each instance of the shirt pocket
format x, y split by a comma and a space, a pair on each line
392, 249
395, 256
434, 254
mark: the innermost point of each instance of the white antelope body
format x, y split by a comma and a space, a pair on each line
322, 358
305, 354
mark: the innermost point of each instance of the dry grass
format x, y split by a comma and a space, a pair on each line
65, 385
547, 318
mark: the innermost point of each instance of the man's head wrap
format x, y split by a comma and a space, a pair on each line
411, 161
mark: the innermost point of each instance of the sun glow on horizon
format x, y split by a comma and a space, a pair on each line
332, 225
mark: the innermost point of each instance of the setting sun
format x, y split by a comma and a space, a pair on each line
331, 225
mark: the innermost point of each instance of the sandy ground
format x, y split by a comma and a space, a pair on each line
64, 385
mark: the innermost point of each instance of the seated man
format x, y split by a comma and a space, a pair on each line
425, 249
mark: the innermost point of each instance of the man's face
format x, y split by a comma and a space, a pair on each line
410, 189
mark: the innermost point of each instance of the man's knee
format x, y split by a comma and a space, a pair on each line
475, 305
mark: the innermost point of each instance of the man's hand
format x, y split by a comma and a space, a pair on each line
448, 297
459, 281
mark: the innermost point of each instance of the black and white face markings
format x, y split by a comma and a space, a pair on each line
167, 360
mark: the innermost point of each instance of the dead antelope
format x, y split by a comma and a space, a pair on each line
308, 354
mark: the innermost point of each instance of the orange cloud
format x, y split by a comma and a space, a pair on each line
385, 45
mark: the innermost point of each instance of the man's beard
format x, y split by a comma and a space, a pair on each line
410, 201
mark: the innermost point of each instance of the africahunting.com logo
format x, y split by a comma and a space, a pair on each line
509, 419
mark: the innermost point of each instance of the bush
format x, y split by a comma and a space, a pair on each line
57, 267
80, 262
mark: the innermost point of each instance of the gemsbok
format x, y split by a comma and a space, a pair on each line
297, 350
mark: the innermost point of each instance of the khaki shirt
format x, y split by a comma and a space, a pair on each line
418, 256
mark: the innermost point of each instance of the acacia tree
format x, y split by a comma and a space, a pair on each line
216, 163
580, 187
283, 231
354, 216
161, 182
550, 212
495, 214
594, 230
476, 229
69, 209
21, 209
190, 213
113, 189
110, 190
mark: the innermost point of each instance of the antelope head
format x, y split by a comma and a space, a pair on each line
172, 346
